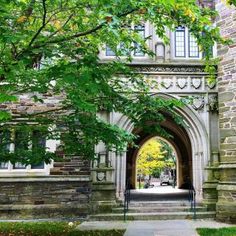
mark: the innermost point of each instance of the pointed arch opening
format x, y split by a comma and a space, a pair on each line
180, 143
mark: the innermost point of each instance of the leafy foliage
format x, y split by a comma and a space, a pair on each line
169, 158
153, 156
229, 231
149, 157
51, 47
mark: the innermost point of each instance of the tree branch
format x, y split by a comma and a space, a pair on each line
14, 50
71, 37
43, 23
80, 34
54, 33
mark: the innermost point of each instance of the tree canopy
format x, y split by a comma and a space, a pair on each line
50, 48
153, 156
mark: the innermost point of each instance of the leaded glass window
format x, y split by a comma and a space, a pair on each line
38, 144
180, 42
141, 31
21, 145
185, 44
20, 142
109, 51
5, 141
123, 49
193, 46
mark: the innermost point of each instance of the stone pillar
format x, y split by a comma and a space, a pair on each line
226, 205
210, 194
103, 187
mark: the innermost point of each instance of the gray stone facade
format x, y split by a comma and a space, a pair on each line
226, 205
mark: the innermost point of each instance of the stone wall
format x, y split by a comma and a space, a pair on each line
226, 205
65, 193
44, 197
207, 3
73, 165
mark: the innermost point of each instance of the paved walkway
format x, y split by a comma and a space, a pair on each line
154, 228
159, 193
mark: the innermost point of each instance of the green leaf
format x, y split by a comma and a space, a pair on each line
4, 116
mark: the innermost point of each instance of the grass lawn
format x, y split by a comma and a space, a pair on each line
50, 229
231, 231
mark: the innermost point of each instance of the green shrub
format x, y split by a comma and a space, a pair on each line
34, 229
50, 229
230, 231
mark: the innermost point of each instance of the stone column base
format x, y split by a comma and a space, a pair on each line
210, 195
103, 197
226, 205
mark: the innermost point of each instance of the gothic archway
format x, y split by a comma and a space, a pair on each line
193, 138
180, 141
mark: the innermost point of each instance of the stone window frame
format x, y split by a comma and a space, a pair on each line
187, 41
28, 171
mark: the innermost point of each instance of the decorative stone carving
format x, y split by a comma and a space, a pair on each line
152, 82
196, 82
101, 176
211, 84
168, 68
182, 82
167, 83
213, 102
198, 102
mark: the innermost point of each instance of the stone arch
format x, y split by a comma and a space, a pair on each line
198, 138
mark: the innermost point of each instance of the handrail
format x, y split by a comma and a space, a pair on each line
192, 199
126, 199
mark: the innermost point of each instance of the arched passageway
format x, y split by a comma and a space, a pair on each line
190, 142
179, 139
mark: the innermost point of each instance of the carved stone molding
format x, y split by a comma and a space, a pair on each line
198, 102
213, 102
211, 84
169, 68
182, 82
196, 82
167, 82
101, 176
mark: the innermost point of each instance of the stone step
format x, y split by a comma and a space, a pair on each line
159, 203
44, 211
159, 209
153, 216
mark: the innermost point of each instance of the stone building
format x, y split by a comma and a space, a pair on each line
205, 147
226, 185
